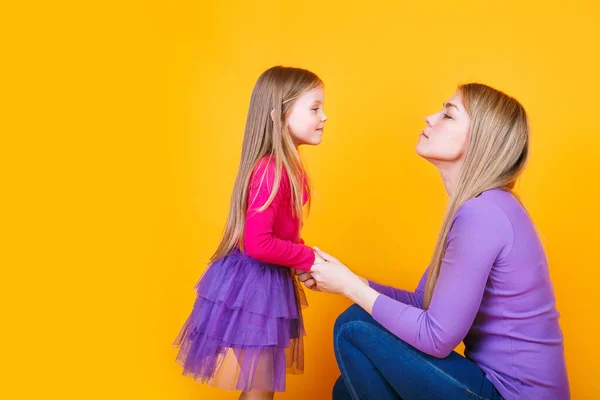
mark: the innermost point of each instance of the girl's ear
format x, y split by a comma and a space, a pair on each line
273, 115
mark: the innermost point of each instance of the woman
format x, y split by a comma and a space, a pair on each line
487, 284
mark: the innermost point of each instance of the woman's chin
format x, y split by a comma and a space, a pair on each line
429, 156
420, 151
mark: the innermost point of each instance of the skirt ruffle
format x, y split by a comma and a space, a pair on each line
245, 330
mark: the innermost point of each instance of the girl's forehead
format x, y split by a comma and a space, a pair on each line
313, 94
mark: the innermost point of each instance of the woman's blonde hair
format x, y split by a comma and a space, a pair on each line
267, 135
496, 155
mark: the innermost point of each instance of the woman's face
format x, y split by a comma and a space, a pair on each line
446, 135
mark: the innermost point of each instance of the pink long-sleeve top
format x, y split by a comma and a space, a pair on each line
273, 235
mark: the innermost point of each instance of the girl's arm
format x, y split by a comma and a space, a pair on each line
260, 241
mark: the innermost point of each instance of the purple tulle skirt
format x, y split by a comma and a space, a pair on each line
245, 330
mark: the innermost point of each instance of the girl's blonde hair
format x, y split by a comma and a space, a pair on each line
267, 135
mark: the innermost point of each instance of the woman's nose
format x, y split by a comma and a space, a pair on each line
428, 120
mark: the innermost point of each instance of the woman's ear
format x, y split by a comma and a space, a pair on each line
273, 115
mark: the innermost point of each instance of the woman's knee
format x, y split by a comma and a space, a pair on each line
352, 313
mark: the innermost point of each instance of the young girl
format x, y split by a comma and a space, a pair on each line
246, 326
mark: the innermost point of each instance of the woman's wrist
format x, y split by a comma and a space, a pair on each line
356, 285
360, 292
354, 282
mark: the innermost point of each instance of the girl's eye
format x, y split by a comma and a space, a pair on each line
447, 116
315, 109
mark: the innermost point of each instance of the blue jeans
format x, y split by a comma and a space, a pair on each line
375, 364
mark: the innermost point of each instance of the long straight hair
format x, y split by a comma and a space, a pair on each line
496, 155
267, 135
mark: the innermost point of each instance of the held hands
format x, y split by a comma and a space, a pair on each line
328, 274
306, 276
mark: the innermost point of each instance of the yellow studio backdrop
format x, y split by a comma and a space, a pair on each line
121, 134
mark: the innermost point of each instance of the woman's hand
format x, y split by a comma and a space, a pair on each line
306, 277
330, 275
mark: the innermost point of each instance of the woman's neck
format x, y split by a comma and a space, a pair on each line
450, 172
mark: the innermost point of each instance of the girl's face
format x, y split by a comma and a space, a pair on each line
446, 135
306, 118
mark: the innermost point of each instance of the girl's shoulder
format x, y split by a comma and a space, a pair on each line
265, 172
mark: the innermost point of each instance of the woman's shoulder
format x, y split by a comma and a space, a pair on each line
489, 208
484, 221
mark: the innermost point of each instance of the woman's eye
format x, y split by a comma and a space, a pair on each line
447, 116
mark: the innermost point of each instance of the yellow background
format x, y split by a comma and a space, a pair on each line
121, 130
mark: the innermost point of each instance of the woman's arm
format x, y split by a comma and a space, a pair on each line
415, 298
357, 289
481, 233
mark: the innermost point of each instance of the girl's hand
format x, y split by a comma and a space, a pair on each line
306, 276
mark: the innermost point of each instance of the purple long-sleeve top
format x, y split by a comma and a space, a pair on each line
493, 293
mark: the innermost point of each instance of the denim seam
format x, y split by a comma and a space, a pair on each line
343, 368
